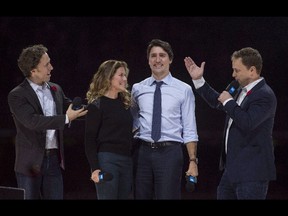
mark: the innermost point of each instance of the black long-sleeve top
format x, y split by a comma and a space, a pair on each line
108, 128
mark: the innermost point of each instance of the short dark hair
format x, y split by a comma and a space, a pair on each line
250, 57
163, 44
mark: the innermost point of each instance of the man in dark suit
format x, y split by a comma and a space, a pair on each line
247, 158
37, 108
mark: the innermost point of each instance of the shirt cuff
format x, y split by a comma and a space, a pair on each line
67, 119
227, 101
199, 82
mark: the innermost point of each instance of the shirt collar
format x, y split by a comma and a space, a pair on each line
251, 85
167, 80
35, 86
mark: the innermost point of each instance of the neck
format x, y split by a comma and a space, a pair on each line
159, 76
40, 83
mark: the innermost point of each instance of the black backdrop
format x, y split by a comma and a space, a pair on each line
77, 46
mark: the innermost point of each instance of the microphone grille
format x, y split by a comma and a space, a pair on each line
76, 103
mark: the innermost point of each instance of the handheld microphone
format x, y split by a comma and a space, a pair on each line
232, 89
77, 103
190, 183
105, 176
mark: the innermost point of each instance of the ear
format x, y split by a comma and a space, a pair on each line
32, 72
253, 69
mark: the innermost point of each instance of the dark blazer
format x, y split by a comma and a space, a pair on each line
31, 125
250, 154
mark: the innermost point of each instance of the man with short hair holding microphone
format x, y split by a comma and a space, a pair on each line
37, 108
247, 158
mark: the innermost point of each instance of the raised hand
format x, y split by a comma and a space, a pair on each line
194, 71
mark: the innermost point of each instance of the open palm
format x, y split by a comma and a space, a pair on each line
194, 70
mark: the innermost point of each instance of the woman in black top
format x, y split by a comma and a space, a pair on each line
108, 131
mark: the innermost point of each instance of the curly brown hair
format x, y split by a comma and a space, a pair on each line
30, 58
101, 82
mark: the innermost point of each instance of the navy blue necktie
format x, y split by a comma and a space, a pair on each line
156, 119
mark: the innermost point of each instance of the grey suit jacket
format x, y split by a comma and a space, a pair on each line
31, 125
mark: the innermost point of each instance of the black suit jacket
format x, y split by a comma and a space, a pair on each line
31, 125
250, 154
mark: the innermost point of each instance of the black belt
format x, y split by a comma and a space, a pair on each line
155, 145
49, 152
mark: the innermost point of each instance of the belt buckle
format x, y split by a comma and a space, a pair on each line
50, 152
153, 145
47, 152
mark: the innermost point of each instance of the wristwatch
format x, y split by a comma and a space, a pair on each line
194, 160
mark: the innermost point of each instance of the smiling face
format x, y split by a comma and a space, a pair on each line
119, 81
159, 62
42, 72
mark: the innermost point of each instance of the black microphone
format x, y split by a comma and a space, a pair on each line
105, 176
190, 183
232, 89
77, 103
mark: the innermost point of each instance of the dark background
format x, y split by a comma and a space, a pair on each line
78, 45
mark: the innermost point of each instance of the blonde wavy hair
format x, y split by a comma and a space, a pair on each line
101, 82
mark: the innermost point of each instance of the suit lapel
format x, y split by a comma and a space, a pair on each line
32, 96
255, 88
237, 94
244, 101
